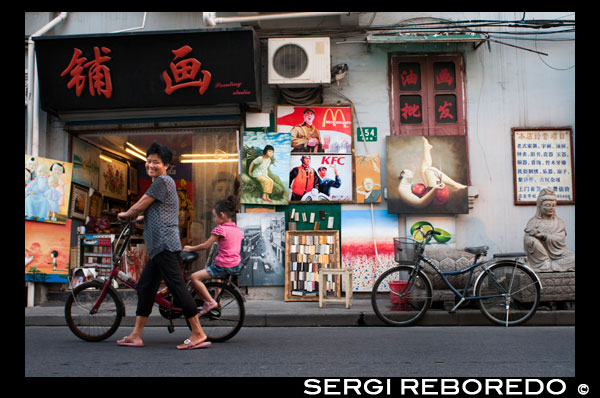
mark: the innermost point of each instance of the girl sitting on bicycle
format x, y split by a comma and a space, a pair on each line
228, 260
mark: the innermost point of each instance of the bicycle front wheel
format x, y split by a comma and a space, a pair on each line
401, 296
223, 322
99, 325
510, 293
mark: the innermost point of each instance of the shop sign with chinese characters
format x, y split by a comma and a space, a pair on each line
543, 158
148, 69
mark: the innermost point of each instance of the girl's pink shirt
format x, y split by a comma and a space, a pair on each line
230, 244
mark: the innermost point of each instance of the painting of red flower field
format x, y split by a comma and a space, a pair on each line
367, 245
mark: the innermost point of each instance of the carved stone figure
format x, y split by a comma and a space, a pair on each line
545, 238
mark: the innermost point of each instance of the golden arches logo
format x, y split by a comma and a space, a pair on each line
334, 116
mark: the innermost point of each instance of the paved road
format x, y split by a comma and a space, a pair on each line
313, 352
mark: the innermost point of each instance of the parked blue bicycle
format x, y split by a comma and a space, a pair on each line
507, 290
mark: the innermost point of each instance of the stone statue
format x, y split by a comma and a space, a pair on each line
545, 238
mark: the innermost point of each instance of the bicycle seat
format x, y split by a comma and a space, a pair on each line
477, 250
187, 257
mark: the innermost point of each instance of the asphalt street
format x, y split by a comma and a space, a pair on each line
476, 351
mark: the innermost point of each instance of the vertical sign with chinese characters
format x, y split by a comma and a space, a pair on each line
543, 158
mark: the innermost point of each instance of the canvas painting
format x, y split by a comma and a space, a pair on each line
265, 168
367, 245
323, 178
263, 249
317, 129
47, 189
427, 175
47, 251
113, 179
368, 179
446, 226
86, 163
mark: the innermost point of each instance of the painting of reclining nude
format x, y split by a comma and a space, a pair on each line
427, 175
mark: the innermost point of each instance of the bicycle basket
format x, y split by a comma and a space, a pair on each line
406, 250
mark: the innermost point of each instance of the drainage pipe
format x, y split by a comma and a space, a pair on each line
33, 128
210, 18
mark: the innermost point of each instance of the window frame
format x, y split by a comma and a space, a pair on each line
429, 125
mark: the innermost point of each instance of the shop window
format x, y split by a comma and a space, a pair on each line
426, 95
202, 179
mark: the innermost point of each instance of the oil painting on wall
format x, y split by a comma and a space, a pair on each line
317, 129
265, 168
47, 189
113, 179
322, 178
368, 179
47, 250
86, 163
445, 225
263, 249
358, 245
427, 175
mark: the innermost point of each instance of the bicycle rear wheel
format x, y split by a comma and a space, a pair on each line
97, 326
515, 290
401, 296
223, 322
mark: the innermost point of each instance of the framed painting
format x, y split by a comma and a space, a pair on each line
368, 179
427, 175
47, 189
86, 163
263, 248
113, 179
47, 252
265, 168
367, 245
543, 158
79, 202
445, 225
321, 178
317, 129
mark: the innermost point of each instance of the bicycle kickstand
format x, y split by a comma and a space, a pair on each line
171, 327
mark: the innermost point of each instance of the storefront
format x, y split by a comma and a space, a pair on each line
116, 94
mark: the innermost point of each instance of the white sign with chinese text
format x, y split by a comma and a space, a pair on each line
543, 158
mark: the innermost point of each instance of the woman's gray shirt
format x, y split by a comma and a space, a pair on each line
161, 218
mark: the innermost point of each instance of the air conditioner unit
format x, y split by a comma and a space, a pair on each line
301, 61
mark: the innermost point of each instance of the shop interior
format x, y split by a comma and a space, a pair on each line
205, 170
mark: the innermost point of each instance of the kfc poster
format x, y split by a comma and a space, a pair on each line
323, 178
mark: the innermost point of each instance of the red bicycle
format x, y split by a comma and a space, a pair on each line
95, 308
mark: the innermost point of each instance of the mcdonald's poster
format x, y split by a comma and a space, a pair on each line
326, 129
427, 175
47, 189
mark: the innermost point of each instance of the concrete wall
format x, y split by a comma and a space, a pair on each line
505, 87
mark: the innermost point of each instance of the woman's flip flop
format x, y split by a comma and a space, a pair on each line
190, 346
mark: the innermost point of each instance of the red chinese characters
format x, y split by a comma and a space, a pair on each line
98, 74
408, 77
411, 111
185, 73
444, 77
444, 110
